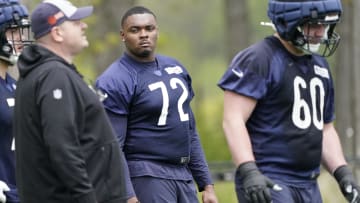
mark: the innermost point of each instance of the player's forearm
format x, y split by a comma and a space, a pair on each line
237, 110
239, 142
332, 154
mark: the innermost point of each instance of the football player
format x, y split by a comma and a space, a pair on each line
14, 35
148, 103
279, 107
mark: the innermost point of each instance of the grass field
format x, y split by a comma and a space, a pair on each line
225, 191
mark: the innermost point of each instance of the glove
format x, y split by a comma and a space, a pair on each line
347, 183
3, 188
256, 185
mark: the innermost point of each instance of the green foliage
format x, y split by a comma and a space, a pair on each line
258, 15
86, 68
208, 106
209, 122
110, 38
225, 192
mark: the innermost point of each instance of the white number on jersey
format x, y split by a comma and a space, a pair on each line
301, 106
13, 145
174, 83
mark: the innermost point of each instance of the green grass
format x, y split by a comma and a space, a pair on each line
330, 191
225, 192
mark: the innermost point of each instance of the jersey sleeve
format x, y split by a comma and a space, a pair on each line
247, 74
198, 165
119, 88
329, 114
329, 110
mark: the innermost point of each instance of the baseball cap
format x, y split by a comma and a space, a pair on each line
50, 13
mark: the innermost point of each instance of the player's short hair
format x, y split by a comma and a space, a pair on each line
135, 10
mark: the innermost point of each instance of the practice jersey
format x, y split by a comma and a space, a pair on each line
295, 97
7, 154
156, 98
149, 106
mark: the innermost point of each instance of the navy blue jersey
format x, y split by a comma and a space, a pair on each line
295, 97
155, 98
7, 155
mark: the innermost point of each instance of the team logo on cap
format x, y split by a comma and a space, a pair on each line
52, 20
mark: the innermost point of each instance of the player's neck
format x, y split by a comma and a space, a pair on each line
290, 47
3, 69
149, 58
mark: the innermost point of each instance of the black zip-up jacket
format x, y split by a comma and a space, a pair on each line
66, 151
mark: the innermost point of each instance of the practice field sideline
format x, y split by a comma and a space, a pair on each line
330, 191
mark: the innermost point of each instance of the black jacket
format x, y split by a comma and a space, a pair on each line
66, 150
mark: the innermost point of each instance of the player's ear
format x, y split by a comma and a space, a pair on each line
157, 32
122, 35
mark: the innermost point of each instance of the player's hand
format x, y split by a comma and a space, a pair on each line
347, 183
133, 200
256, 185
208, 195
3, 188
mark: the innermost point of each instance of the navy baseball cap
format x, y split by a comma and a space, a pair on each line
51, 13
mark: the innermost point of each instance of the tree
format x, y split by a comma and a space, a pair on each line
237, 26
105, 37
347, 83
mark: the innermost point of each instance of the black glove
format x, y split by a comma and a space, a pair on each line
347, 183
255, 184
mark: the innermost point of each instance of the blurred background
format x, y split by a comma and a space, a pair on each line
204, 35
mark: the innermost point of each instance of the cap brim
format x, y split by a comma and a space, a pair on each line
81, 13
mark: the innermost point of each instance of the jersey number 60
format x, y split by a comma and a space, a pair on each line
301, 115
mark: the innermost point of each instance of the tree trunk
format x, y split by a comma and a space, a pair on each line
343, 80
348, 83
236, 26
356, 82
